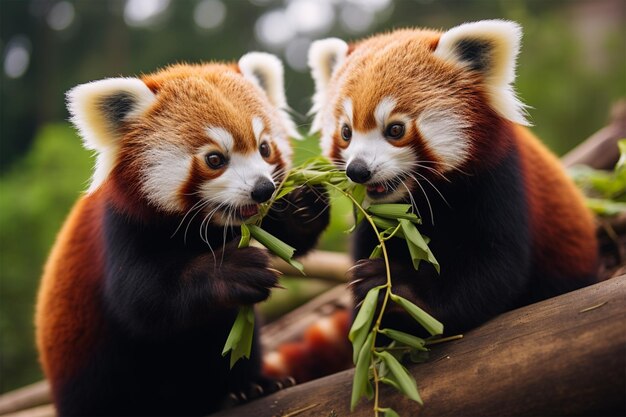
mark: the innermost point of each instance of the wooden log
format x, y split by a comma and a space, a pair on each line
46, 410
562, 356
26, 397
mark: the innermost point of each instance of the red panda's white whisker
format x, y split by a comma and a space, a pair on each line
206, 203
430, 208
435, 188
413, 203
451, 166
196, 207
327, 207
419, 165
229, 209
205, 225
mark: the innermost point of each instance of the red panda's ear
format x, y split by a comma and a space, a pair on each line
266, 72
489, 47
325, 56
99, 109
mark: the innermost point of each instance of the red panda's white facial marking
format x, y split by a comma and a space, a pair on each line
164, 173
444, 132
372, 158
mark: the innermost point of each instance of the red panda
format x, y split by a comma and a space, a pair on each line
431, 118
144, 281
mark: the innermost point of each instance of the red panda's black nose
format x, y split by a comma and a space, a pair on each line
357, 171
263, 190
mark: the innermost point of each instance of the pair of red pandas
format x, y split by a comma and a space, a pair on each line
145, 278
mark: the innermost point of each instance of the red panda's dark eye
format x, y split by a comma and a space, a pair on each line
265, 150
346, 133
394, 131
215, 160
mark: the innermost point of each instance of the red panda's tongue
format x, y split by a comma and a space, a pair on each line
376, 188
249, 210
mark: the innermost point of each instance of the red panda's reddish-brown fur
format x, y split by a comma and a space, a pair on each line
66, 308
556, 208
145, 278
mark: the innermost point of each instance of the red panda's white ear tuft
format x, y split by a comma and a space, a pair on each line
491, 48
266, 72
98, 109
325, 56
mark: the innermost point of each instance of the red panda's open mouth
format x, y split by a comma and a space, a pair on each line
247, 211
382, 189
378, 190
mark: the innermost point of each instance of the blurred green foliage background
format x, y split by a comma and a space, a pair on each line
572, 67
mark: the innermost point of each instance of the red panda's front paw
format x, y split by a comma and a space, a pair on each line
308, 202
245, 276
365, 275
306, 210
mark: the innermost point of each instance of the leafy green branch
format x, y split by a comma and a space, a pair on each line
605, 191
383, 365
373, 364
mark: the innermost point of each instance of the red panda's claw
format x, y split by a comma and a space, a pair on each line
274, 271
231, 401
354, 282
258, 389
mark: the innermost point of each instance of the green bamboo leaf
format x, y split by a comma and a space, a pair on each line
311, 177
417, 244
235, 335
276, 246
239, 341
342, 185
388, 233
427, 321
407, 339
297, 264
389, 412
358, 193
369, 390
605, 207
394, 212
384, 224
358, 217
359, 337
404, 379
377, 252
418, 356
382, 369
245, 236
363, 321
286, 189
390, 382
389, 377
361, 374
